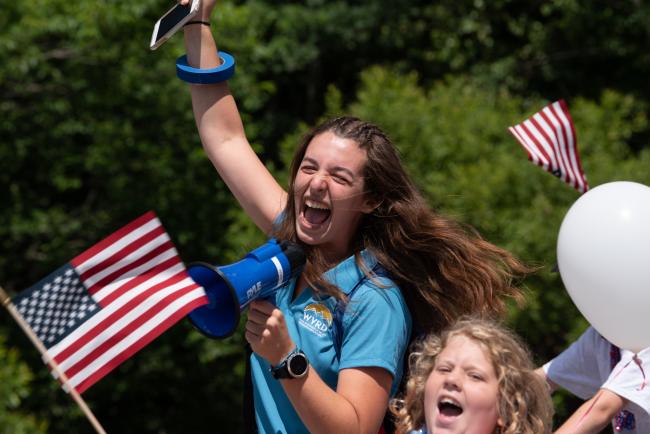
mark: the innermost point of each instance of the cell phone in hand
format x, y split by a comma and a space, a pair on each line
173, 20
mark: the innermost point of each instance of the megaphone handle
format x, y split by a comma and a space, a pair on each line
271, 298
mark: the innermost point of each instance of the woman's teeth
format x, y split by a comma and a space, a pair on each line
312, 204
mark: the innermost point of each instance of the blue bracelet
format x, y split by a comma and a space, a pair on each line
206, 76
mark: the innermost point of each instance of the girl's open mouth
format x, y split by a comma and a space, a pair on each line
449, 408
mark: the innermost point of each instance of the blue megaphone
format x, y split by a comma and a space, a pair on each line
231, 288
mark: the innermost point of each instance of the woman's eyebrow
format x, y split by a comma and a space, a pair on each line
310, 160
334, 169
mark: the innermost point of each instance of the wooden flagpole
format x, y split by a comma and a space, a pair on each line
6, 301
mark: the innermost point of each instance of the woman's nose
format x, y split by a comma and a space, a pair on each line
318, 182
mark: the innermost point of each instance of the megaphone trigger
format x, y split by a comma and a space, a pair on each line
231, 288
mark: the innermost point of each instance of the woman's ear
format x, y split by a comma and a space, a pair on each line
369, 205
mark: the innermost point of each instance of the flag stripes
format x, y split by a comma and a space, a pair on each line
141, 287
550, 140
117, 240
105, 324
95, 269
128, 340
162, 322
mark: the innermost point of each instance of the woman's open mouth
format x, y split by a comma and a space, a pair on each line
315, 213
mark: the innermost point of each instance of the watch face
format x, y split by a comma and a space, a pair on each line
298, 365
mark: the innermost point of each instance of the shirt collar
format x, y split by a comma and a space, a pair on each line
347, 274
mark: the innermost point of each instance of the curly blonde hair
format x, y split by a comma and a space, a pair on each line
524, 403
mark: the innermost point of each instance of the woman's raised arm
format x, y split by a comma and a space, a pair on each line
222, 132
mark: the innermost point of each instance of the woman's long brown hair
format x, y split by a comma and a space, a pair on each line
443, 269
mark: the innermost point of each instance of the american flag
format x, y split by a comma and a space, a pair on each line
110, 301
550, 141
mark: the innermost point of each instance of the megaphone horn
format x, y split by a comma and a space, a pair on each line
231, 288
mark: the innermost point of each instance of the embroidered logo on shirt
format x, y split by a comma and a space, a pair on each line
316, 318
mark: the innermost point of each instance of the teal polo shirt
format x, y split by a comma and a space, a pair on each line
376, 330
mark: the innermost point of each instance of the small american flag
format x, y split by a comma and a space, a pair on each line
550, 141
110, 301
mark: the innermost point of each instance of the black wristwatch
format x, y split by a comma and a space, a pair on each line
295, 365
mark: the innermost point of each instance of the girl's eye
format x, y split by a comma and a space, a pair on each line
476, 376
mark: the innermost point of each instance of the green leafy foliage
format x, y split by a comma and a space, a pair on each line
15, 378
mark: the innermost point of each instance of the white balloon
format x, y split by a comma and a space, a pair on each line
603, 253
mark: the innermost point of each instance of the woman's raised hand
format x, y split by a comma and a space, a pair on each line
206, 8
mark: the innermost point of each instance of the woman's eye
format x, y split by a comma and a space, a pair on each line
308, 169
476, 376
340, 179
443, 369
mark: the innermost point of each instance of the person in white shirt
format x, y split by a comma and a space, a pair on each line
611, 380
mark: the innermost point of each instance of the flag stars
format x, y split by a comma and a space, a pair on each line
54, 308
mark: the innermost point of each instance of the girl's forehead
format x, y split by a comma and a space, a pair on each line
463, 348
